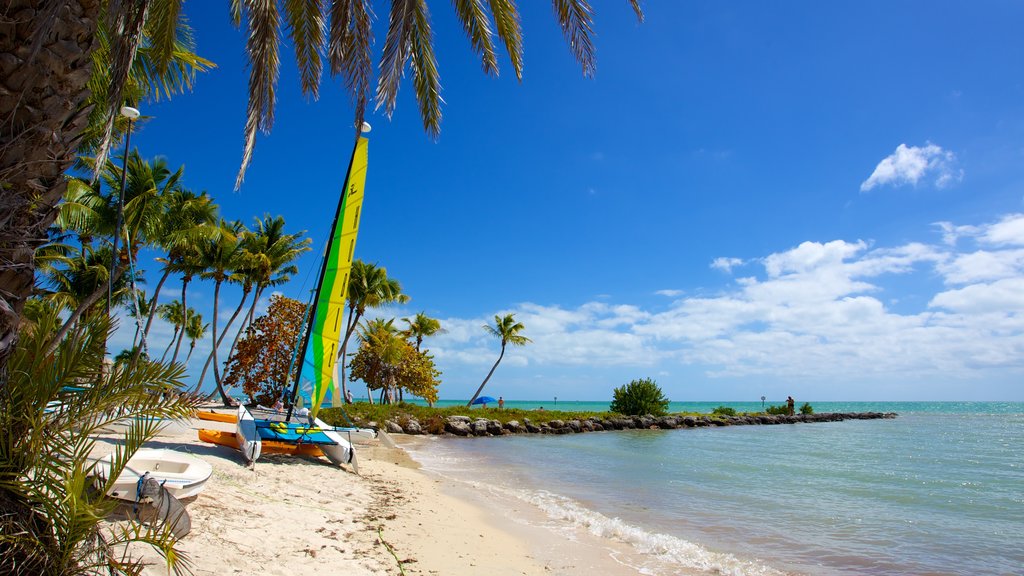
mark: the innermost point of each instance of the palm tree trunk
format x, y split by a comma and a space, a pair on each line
169, 344
484, 383
191, 347
47, 54
246, 320
184, 307
213, 354
216, 366
83, 306
152, 313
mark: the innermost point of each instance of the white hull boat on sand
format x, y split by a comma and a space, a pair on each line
182, 475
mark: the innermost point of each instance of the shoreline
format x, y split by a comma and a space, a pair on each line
293, 514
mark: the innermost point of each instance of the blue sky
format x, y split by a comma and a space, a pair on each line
807, 198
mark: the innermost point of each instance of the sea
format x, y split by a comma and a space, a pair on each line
937, 490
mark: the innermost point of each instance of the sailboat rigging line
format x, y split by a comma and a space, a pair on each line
323, 271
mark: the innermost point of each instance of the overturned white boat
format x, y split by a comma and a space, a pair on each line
181, 475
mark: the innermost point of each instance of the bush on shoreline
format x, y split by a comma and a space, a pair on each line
640, 397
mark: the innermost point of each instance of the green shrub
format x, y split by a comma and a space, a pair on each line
724, 411
806, 409
639, 397
779, 410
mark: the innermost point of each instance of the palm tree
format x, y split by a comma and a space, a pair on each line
506, 328
188, 219
44, 119
271, 253
195, 330
221, 261
140, 309
368, 287
51, 515
147, 183
421, 327
189, 266
386, 349
174, 313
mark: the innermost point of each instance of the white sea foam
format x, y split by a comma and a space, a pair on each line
659, 553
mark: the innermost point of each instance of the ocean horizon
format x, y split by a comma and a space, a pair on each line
937, 490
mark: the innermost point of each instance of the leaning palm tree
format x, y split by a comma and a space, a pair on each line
44, 118
508, 330
368, 287
422, 326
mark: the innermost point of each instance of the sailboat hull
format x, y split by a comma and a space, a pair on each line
251, 432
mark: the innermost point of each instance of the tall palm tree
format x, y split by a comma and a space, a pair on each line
221, 260
187, 220
44, 119
368, 287
140, 309
189, 266
147, 183
422, 326
271, 255
508, 330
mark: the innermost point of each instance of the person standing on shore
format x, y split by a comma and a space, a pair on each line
501, 403
789, 404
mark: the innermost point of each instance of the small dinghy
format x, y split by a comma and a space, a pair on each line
181, 475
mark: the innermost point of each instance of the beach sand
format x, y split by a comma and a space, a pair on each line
301, 515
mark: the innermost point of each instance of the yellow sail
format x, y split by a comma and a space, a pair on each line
318, 368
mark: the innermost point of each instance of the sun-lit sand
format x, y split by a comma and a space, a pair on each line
300, 515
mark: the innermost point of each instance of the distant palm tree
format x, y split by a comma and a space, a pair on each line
506, 328
422, 326
175, 314
368, 287
195, 330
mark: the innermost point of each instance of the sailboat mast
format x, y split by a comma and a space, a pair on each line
323, 272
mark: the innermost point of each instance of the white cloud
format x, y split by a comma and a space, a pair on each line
909, 164
669, 293
814, 312
726, 264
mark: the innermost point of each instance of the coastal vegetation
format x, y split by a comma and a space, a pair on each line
642, 396
53, 405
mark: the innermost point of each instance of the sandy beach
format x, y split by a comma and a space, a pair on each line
297, 515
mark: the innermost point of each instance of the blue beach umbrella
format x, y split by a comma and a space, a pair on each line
484, 400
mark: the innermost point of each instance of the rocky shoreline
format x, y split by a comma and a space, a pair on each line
465, 426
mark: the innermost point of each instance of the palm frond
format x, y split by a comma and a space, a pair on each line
348, 50
129, 19
401, 21
506, 23
162, 24
262, 47
306, 30
425, 77
477, 24
577, 21
638, 10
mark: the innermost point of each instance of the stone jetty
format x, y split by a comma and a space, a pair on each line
472, 427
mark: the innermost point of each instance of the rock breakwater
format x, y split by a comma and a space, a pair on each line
471, 427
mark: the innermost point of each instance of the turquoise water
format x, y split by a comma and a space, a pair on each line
707, 407
938, 490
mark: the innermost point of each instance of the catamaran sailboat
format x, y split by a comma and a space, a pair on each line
318, 352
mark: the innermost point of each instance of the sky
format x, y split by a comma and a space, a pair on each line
817, 199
